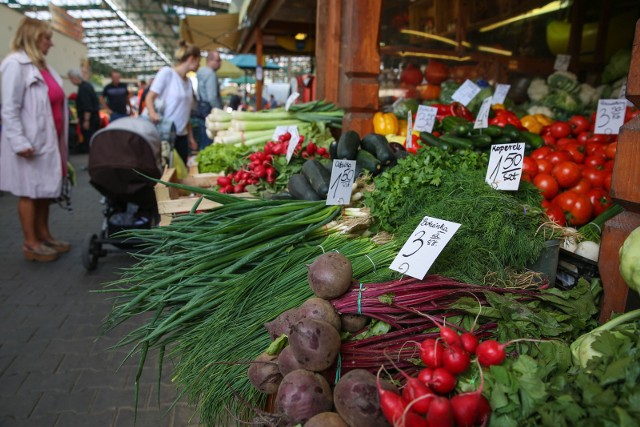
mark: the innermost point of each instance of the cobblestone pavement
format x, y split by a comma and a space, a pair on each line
55, 367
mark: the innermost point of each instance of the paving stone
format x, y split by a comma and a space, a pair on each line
62, 402
10, 383
37, 381
19, 406
46, 421
70, 419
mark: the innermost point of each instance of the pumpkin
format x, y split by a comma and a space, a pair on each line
436, 72
411, 75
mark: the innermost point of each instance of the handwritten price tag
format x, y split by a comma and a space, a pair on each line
423, 247
425, 118
290, 100
280, 130
293, 142
409, 140
343, 173
562, 62
505, 166
482, 119
500, 94
610, 116
623, 94
466, 92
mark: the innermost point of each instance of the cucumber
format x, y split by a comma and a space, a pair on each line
367, 161
348, 145
481, 141
456, 142
532, 139
434, 141
318, 176
456, 126
511, 131
379, 147
300, 188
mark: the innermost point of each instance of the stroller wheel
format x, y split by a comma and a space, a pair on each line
90, 252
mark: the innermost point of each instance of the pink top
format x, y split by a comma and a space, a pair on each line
56, 97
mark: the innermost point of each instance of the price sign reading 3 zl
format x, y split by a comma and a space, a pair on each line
342, 176
610, 116
505, 166
423, 247
425, 118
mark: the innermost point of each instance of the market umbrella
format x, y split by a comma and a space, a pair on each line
244, 80
226, 70
247, 61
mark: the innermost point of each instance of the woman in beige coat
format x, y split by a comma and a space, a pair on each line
33, 148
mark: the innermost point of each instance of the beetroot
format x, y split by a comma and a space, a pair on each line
303, 394
282, 324
315, 344
264, 373
330, 275
287, 361
357, 401
321, 309
353, 322
326, 419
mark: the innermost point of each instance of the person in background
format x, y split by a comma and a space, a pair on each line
172, 87
115, 98
208, 94
87, 105
272, 102
139, 100
143, 97
33, 147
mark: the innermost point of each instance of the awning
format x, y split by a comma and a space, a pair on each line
226, 70
211, 32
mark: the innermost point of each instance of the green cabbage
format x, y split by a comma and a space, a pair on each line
617, 67
630, 260
447, 89
563, 80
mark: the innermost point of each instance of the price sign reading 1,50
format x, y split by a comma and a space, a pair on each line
505, 166
342, 177
423, 247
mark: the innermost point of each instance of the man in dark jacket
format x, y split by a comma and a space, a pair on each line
115, 98
87, 105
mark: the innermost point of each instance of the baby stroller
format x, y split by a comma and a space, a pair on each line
118, 152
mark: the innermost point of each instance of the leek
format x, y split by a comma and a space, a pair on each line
262, 124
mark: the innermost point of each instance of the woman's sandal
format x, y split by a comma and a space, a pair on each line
40, 253
58, 245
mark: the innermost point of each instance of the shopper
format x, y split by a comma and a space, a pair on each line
115, 98
33, 147
139, 97
171, 95
208, 94
272, 102
87, 106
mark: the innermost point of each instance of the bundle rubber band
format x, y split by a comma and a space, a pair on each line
338, 367
360, 299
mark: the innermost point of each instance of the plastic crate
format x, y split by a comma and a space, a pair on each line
572, 267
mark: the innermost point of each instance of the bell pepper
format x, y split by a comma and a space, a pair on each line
414, 144
504, 117
543, 119
531, 124
497, 107
460, 110
402, 127
385, 123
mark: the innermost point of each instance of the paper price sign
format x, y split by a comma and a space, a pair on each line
562, 62
482, 119
466, 92
280, 130
425, 118
500, 94
290, 100
610, 116
343, 174
293, 142
505, 166
409, 140
423, 247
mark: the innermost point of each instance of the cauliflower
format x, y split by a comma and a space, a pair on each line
538, 89
540, 109
586, 94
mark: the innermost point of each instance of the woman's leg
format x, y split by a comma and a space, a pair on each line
42, 220
27, 213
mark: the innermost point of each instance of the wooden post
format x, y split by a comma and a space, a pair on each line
575, 34
259, 62
625, 190
328, 49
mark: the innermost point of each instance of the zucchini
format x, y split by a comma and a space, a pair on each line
504, 139
433, 141
367, 161
456, 126
396, 146
348, 145
481, 141
333, 149
492, 130
300, 188
318, 176
532, 139
401, 154
379, 147
457, 142
511, 131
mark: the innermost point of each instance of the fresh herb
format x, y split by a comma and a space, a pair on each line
223, 158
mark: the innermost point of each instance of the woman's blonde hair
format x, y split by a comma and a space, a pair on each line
185, 50
30, 32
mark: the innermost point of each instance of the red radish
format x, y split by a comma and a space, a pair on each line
415, 392
469, 342
471, 409
491, 352
448, 335
395, 409
440, 413
431, 353
425, 375
442, 381
455, 360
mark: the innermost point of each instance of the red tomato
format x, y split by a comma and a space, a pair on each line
583, 186
595, 176
558, 156
530, 167
560, 129
561, 142
611, 149
606, 184
579, 124
542, 152
599, 199
548, 139
525, 177
583, 137
599, 137
547, 185
630, 113
545, 203
608, 166
595, 160
556, 214
576, 206
567, 174
544, 166
576, 151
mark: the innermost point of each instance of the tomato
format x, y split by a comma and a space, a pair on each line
630, 113
576, 206
544, 166
547, 185
594, 147
611, 149
556, 214
599, 199
525, 177
583, 137
595, 160
576, 151
594, 175
606, 184
560, 129
558, 156
530, 167
579, 124
542, 152
609, 164
567, 174
561, 142
583, 186
548, 139
599, 137
545, 203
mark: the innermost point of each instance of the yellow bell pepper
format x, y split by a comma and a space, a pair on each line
531, 124
402, 128
544, 120
498, 107
385, 123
